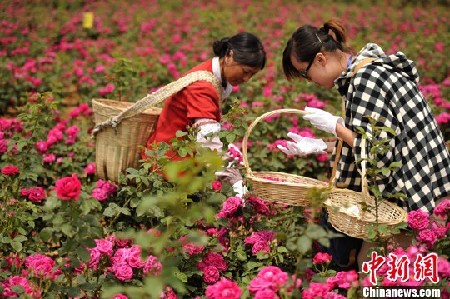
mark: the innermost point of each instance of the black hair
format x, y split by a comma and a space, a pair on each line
308, 40
247, 48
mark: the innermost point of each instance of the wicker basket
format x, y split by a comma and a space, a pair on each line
122, 128
353, 212
290, 189
118, 148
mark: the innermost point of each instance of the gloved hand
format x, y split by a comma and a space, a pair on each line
230, 175
239, 189
233, 176
323, 120
233, 155
303, 145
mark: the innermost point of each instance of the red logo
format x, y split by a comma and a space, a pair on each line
398, 267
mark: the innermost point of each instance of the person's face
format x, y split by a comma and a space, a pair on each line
236, 73
317, 70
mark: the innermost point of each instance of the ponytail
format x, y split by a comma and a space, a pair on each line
337, 30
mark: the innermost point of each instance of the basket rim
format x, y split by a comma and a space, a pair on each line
102, 103
252, 176
338, 210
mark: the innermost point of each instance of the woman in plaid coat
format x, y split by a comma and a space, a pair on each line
386, 89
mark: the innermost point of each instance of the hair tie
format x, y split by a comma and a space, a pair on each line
324, 30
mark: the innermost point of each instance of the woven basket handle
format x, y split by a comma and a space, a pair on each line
364, 185
159, 96
253, 124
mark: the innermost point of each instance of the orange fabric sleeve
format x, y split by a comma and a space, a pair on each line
202, 101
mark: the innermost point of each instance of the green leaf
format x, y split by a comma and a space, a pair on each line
20, 238
67, 230
45, 234
282, 249
17, 246
18, 289
180, 134
83, 254
252, 265
6, 240
181, 276
241, 254
182, 151
304, 244
231, 138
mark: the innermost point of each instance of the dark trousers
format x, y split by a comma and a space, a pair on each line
344, 250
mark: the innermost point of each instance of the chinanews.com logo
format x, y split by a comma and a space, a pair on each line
424, 267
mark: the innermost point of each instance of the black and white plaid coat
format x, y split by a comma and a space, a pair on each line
387, 88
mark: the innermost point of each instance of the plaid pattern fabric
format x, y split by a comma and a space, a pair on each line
387, 88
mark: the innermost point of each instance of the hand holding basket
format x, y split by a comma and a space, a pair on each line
278, 187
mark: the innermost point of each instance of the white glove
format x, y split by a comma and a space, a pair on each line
303, 145
230, 175
323, 120
233, 155
239, 189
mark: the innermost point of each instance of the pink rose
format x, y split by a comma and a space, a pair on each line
266, 294
210, 274
68, 188
223, 289
10, 170
315, 290
229, 207
274, 275
262, 236
213, 259
104, 246
119, 296
99, 194
259, 205
40, 265
35, 194
418, 220
123, 242
28, 289
134, 257
41, 146
152, 266
216, 185
48, 158
90, 168
190, 248
260, 246
94, 258
322, 258
427, 237
107, 89
123, 272
442, 209
322, 158
259, 284
107, 186
168, 294
3, 145
443, 267
72, 132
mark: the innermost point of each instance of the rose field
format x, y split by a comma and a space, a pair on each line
67, 233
